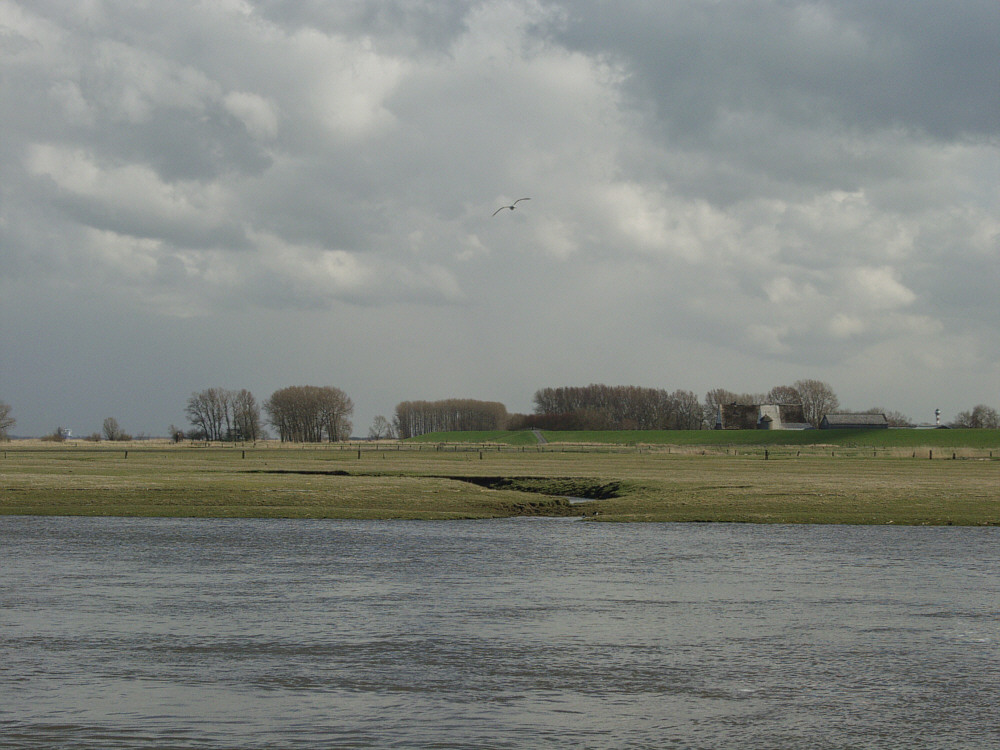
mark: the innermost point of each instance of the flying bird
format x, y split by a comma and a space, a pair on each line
511, 206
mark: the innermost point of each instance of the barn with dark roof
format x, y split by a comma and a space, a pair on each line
854, 421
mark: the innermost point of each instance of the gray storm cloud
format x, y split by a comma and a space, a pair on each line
729, 194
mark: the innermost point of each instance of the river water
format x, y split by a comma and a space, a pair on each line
164, 633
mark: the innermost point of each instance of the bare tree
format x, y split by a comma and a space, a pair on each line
335, 411
784, 394
6, 420
981, 417
414, 418
210, 413
246, 415
986, 416
818, 400
307, 413
200, 415
111, 430
688, 412
897, 418
380, 429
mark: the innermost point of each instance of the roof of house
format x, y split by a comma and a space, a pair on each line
872, 419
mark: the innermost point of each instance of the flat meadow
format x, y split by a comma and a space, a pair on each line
859, 478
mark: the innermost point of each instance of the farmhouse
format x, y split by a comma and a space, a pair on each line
761, 417
854, 421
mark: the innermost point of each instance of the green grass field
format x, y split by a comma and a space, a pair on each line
642, 481
975, 439
984, 440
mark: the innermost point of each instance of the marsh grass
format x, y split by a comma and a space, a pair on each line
794, 484
502, 437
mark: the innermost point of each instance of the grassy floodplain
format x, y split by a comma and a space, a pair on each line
951, 478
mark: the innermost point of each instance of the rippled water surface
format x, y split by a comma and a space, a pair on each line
162, 633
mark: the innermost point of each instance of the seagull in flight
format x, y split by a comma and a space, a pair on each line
511, 206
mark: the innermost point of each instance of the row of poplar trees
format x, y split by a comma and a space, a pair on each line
414, 418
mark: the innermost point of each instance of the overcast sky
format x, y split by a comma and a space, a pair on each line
724, 194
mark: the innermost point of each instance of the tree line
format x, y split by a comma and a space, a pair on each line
300, 413
980, 417
310, 414
318, 413
606, 407
221, 414
612, 407
603, 407
414, 418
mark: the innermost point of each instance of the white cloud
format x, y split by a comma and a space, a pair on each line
349, 81
130, 198
879, 289
121, 258
255, 112
844, 326
556, 236
782, 290
769, 339
320, 271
